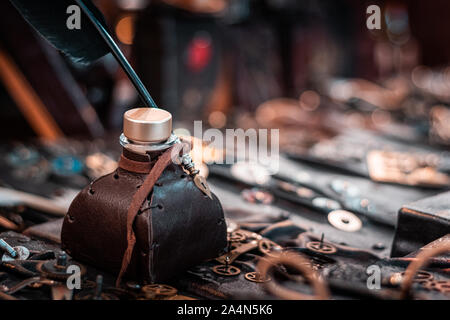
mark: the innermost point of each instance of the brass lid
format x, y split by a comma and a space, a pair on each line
147, 125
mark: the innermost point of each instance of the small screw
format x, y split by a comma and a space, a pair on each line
321, 240
98, 287
6, 247
61, 259
227, 261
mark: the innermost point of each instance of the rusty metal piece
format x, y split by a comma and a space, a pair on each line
236, 236
256, 277
321, 247
296, 261
226, 270
420, 262
421, 276
52, 270
268, 247
242, 248
19, 286
441, 286
404, 168
154, 291
396, 279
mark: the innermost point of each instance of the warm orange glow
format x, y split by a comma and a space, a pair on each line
125, 29
217, 119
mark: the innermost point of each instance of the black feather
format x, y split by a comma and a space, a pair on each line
90, 42
49, 18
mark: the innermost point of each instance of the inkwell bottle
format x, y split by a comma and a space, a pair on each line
154, 216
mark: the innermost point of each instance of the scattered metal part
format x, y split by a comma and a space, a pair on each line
226, 270
61, 260
256, 195
442, 286
43, 282
296, 261
302, 192
57, 268
158, 291
256, 277
236, 236
22, 254
404, 168
23, 284
241, 248
97, 293
268, 247
321, 247
6, 247
344, 220
24, 268
326, 203
420, 261
421, 276
396, 279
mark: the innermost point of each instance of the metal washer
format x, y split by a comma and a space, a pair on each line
22, 254
344, 220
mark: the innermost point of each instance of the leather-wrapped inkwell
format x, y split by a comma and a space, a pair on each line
154, 216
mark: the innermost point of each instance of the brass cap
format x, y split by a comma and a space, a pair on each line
147, 125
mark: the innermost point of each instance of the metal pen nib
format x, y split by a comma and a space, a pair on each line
6, 247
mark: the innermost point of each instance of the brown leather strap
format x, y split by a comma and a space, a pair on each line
134, 166
136, 203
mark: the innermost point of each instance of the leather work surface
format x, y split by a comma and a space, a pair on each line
309, 232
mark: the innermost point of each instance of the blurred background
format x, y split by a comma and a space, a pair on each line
231, 63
